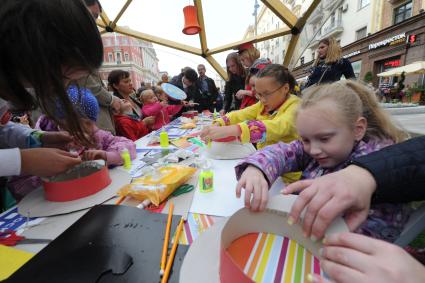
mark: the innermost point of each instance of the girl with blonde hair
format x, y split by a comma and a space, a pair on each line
329, 65
336, 123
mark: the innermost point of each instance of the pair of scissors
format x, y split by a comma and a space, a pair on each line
183, 189
10, 238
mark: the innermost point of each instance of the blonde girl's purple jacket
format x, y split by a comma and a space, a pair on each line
385, 221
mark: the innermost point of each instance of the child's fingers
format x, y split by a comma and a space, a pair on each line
297, 187
264, 196
248, 192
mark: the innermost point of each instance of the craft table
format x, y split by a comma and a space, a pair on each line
204, 208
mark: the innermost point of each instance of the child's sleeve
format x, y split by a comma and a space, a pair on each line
283, 124
275, 160
235, 117
173, 109
151, 109
113, 145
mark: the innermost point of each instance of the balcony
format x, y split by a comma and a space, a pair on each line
334, 29
316, 16
326, 4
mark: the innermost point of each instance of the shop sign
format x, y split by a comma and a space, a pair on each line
392, 63
354, 53
396, 39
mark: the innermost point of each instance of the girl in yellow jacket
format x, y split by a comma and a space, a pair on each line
268, 121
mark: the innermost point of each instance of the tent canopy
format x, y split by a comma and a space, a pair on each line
293, 25
414, 68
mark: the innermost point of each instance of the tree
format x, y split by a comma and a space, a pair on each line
368, 77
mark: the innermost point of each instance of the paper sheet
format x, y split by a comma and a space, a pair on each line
222, 201
11, 259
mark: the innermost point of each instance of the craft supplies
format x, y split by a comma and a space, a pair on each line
183, 189
206, 181
166, 238
173, 252
163, 139
10, 238
120, 200
125, 155
158, 184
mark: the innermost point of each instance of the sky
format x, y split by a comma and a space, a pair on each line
225, 21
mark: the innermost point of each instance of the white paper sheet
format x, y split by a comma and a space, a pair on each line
222, 201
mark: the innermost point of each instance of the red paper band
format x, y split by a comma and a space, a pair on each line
230, 271
78, 188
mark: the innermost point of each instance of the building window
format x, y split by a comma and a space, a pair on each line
357, 67
302, 60
363, 3
361, 33
110, 58
126, 57
124, 41
118, 58
403, 12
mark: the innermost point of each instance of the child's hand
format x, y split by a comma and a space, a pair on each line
149, 121
46, 162
94, 154
254, 182
164, 103
214, 133
241, 93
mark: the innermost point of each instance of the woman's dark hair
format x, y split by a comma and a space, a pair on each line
115, 77
92, 2
280, 73
190, 74
41, 41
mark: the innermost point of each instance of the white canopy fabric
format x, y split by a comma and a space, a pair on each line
414, 68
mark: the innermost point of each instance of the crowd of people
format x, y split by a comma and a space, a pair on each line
333, 145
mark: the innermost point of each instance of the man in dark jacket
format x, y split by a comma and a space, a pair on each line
186, 81
208, 91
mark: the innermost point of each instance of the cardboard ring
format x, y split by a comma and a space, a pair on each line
208, 261
62, 191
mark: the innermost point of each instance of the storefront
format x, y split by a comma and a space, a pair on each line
392, 47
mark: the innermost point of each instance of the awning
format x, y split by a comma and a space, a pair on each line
414, 68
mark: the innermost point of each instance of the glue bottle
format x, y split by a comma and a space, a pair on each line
125, 155
206, 180
163, 139
215, 114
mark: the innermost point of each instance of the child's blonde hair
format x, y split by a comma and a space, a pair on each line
355, 100
145, 93
252, 53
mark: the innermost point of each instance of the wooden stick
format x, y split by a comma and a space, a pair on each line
173, 252
166, 239
120, 200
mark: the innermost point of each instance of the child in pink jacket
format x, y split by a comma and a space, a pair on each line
105, 145
160, 110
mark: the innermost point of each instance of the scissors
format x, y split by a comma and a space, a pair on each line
183, 189
10, 238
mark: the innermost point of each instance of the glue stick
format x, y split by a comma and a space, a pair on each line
206, 181
163, 139
125, 155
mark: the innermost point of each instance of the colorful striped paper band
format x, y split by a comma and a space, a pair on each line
271, 258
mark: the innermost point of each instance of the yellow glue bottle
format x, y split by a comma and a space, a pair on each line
163, 139
206, 180
125, 155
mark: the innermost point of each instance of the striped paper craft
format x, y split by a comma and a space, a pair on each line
271, 258
194, 226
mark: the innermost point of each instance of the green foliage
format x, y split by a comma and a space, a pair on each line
368, 77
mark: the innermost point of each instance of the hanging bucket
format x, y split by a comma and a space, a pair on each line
191, 25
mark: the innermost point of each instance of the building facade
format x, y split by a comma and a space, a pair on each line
395, 45
133, 55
